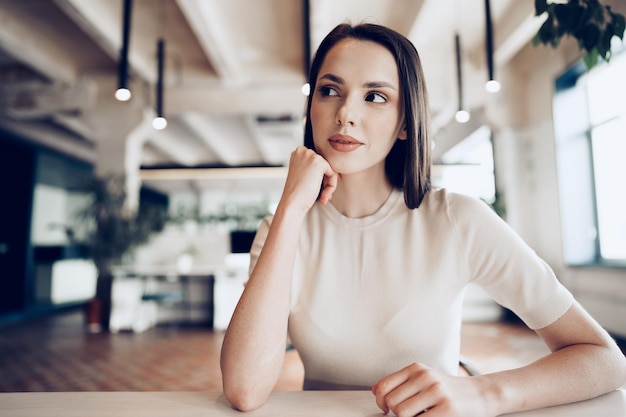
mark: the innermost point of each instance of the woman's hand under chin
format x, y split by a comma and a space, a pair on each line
308, 171
419, 390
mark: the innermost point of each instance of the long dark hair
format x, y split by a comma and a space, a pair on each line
408, 164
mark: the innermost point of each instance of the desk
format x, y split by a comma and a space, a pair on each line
143, 296
213, 404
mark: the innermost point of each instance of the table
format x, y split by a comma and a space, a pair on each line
213, 404
140, 290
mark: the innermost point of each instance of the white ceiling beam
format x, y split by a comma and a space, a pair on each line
276, 140
36, 100
229, 141
211, 33
203, 129
176, 148
151, 155
34, 48
513, 30
253, 130
83, 16
103, 22
517, 39
74, 124
41, 133
454, 132
277, 99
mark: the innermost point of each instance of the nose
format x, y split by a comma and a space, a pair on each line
345, 114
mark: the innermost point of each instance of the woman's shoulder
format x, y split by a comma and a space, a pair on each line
462, 211
454, 202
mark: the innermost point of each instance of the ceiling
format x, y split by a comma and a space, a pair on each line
233, 70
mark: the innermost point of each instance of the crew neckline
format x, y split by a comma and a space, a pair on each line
362, 222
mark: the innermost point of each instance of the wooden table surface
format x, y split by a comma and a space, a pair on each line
213, 404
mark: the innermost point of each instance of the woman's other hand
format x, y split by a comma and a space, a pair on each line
419, 390
307, 172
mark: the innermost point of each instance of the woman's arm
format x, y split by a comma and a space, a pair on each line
585, 362
254, 344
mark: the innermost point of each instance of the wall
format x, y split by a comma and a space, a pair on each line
526, 162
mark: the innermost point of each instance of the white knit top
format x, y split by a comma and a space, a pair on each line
374, 294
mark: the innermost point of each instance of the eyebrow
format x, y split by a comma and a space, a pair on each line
372, 84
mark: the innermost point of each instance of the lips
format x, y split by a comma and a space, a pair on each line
343, 143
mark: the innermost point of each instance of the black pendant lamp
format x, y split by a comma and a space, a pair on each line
492, 84
123, 92
462, 115
159, 121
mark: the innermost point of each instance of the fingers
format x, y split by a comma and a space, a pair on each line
329, 185
407, 392
387, 385
307, 171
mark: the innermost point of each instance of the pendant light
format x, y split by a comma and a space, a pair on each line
159, 121
462, 115
123, 92
492, 84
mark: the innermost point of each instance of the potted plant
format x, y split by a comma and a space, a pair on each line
592, 24
112, 232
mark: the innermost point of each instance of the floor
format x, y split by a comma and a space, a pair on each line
56, 354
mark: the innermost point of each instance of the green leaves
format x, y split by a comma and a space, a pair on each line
112, 230
588, 21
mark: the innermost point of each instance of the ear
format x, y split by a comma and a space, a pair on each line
402, 133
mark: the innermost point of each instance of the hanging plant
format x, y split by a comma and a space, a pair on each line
594, 25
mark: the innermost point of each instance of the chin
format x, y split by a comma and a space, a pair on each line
343, 168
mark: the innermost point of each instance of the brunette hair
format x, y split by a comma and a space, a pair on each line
408, 163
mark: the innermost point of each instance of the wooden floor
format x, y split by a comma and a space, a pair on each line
56, 354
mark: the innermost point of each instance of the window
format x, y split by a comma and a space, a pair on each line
590, 130
468, 167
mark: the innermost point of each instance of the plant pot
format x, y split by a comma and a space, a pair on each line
93, 315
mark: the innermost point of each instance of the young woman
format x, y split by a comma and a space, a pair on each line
367, 275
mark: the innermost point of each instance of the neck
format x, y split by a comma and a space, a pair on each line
360, 196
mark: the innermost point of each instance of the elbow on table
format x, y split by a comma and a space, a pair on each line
614, 365
245, 398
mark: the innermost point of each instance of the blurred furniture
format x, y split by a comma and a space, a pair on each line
143, 297
62, 274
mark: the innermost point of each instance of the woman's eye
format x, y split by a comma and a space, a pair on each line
375, 98
328, 91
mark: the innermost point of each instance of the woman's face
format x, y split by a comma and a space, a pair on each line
356, 110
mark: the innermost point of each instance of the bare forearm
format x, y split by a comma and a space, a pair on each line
570, 374
254, 344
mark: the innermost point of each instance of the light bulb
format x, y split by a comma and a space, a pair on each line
306, 89
462, 116
159, 123
123, 94
492, 86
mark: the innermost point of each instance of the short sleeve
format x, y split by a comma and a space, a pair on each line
505, 266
